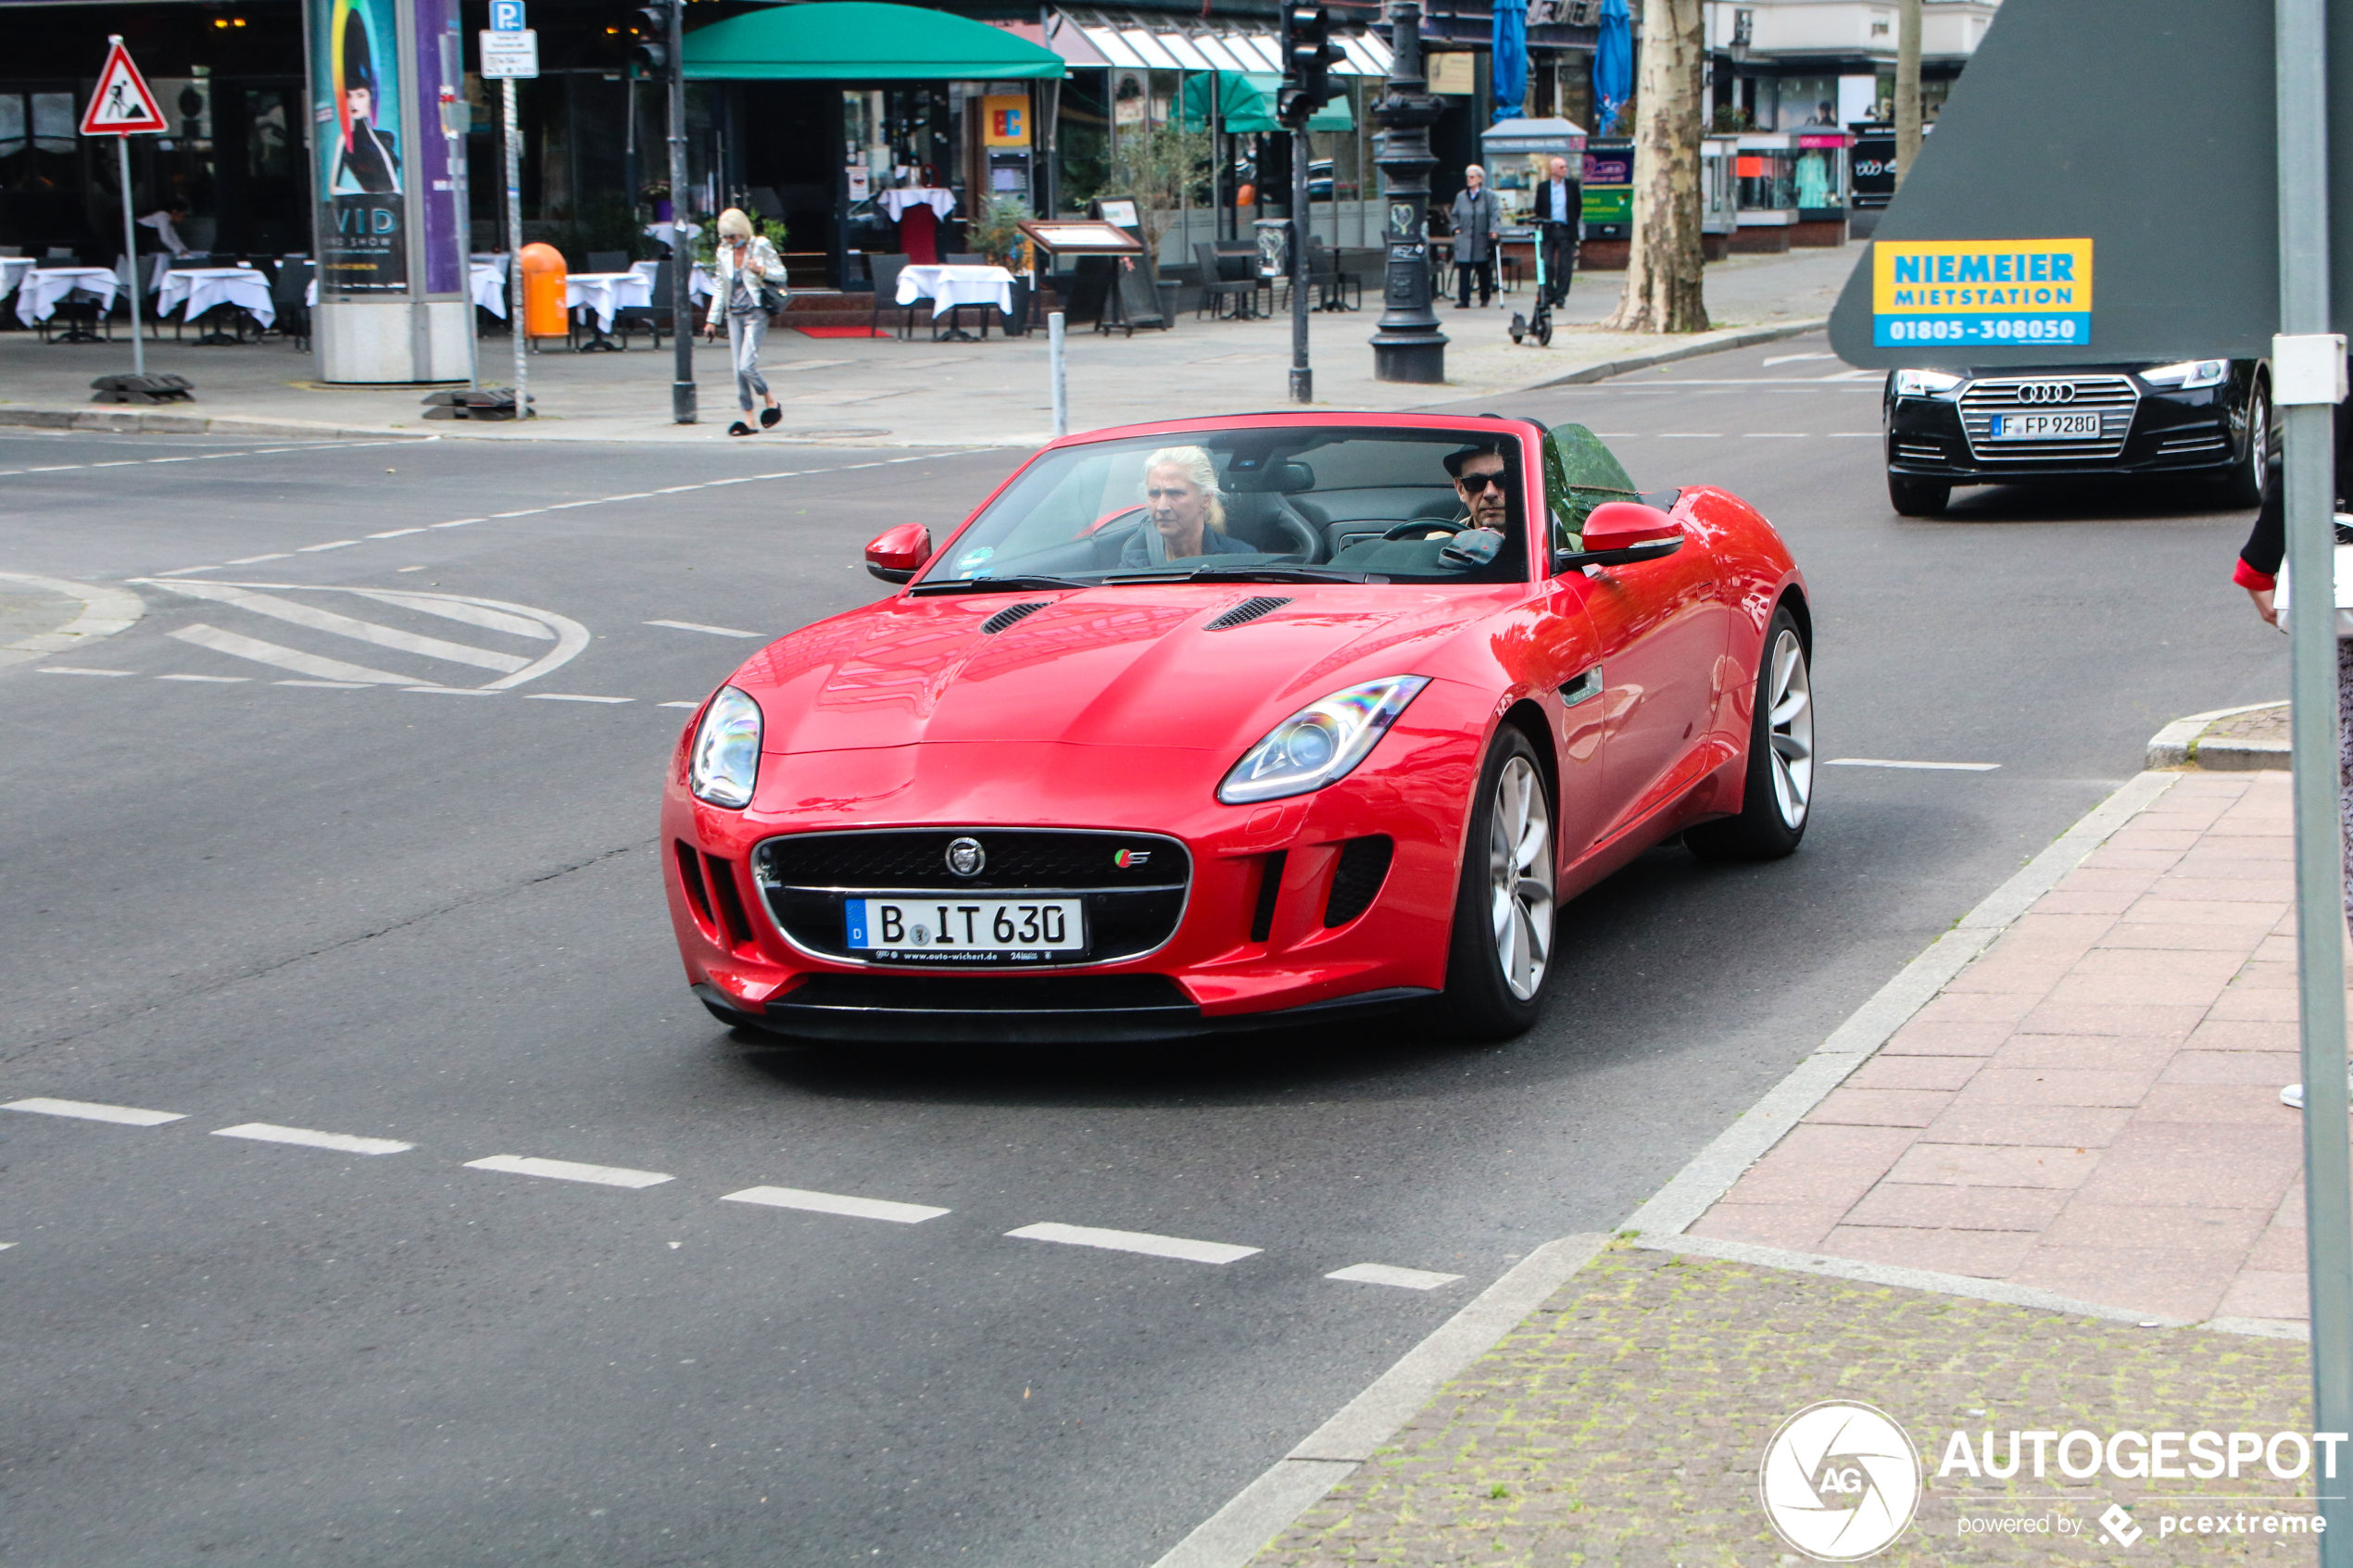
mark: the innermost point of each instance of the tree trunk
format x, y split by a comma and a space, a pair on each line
1662, 290
1908, 89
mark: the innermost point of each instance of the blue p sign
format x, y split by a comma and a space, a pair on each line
506, 15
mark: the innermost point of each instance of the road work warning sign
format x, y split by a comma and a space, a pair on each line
122, 105
2001, 292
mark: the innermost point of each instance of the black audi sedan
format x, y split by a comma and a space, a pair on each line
2210, 416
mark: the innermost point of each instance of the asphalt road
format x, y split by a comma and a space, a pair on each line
435, 919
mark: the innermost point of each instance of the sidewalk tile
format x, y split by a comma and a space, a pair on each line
1980, 1254
2240, 1005
2189, 936
2030, 978
2145, 833
2222, 889
2091, 1053
2184, 990
2272, 1069
2085, 1016
2139, 1279
2109, 857
1884, 1072
2253, 1185
1943, 1206
2068, 1126
2262, 914
2216, 964
1976, 1165
2243, 1034
1880, 1107
2254, 1102
2280, 1249
2266, 1293
1799, 1227
2000, 1085
2169, 1228
2259, 974
1982, 1007
1939, 1037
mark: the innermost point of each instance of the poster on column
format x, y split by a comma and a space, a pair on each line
363, 243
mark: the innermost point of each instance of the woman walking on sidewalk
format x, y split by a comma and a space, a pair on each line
748, 282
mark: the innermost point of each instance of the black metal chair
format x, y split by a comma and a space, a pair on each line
287, 292
1220, 282
653, 318
1331, 283
886, 269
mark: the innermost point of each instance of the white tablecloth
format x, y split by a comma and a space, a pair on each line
37, 296
662, 233
195, 290
698, 284
12, 272
489, 285
896, 203
601, 294
951, 286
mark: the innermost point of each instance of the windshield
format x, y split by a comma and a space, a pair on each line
1277, 504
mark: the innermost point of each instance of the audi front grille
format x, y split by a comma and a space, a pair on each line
2115, 398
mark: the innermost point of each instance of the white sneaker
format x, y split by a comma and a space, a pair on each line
2293, 1096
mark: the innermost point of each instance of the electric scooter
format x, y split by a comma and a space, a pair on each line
1541, 327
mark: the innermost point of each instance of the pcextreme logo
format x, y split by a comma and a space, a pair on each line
1840, 1480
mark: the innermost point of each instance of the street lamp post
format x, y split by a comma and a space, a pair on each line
1407, 347
682, 255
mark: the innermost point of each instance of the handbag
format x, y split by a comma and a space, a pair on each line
2343, 580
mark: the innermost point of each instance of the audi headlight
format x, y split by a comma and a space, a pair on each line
2190, 374
1924, 384
725, 762
1321, 743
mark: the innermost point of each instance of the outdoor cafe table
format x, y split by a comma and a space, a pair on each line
12, 272
195, 290
950, 286
699, 285
38, 294
487, 274
601, 294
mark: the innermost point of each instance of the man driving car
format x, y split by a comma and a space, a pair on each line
1479, 482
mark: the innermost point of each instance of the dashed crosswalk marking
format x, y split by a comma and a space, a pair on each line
237, 645
77, 669
836, 1203
573, 696
699, 626
569, 1171
1181, 1248
1383, 1274
548, 640
211, 680
298, 614
85, 1110
342, 1143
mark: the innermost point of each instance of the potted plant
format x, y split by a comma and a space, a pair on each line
995, 234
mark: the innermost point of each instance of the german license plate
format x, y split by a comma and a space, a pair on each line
2045, 427
1007, 929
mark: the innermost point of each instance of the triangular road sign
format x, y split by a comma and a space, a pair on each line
123, 104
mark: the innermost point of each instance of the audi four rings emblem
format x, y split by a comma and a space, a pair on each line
966, 857
2047, 392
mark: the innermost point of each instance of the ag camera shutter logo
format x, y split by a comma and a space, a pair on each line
1840, 1480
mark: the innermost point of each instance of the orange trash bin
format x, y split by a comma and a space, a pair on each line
543, 292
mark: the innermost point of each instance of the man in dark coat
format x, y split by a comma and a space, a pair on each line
1560, 224
1477, 218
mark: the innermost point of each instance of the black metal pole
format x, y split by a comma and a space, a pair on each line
682, 254
1303, 380
1407, 347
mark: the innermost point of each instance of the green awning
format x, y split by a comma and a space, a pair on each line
862, 41
1246, 102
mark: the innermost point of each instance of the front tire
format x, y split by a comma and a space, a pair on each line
1779, 794
1917, 497
2248, 479
1501, 954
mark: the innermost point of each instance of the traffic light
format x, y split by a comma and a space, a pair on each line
649, 45
1309, 55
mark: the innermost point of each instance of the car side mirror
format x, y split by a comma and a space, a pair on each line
1619, 533
898, 554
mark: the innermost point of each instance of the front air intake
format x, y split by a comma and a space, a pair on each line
1364, 866
1008, 615
1245, 612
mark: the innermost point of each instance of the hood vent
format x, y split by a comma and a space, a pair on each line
1248, 610
1009, 614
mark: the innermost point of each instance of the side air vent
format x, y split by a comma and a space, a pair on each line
1270, 887
1243, 613
1364, 866
1009, 614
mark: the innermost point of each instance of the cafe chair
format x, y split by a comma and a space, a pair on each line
654, 317
1221, 284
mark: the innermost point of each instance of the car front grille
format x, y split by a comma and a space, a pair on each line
2114, 397
1132, 886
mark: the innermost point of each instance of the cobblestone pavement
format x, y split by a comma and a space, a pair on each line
1624, 1421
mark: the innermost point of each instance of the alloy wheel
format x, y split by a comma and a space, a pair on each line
1790, 729
2259, 439
1519, 867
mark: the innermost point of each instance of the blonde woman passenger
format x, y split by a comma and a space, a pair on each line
1186, 510
743, 270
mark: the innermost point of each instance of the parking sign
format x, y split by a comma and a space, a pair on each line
506, 15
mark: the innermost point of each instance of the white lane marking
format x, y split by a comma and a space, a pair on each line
1854, 436
284, 658
1690, 435
460, 522
342, 1143
462, 609
699, 626
566, 1171
128, 1115
1774, 435
1857, 375
211, 680
74, 670
659, 705
836, 1203
335, 544
1884, 762
525, 512
326, 685
1383, 1273
257, 560
387, 533
1793, 359
1136, 1241
317, 620
207, 456
572, 697
184, 570
454, 691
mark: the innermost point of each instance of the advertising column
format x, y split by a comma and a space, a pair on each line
391, 307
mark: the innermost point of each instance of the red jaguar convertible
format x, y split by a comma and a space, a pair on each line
1236, 723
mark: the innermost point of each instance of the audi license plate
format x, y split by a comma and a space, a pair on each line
1006, 930
2046, 427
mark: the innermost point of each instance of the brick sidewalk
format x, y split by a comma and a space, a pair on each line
2093, 1106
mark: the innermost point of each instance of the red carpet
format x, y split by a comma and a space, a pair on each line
843, 331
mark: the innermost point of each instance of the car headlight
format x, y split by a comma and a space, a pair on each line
2190, 374
1924, 384
1321, 743
725, 762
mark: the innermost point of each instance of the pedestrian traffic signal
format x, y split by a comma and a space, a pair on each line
1309, 55
649, 46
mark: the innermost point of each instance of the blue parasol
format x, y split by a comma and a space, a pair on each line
1613, 66
1510, 68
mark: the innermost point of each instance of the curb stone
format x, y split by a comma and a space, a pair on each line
105, 610
2179, 745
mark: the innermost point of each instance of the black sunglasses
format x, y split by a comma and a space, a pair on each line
1473, 484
